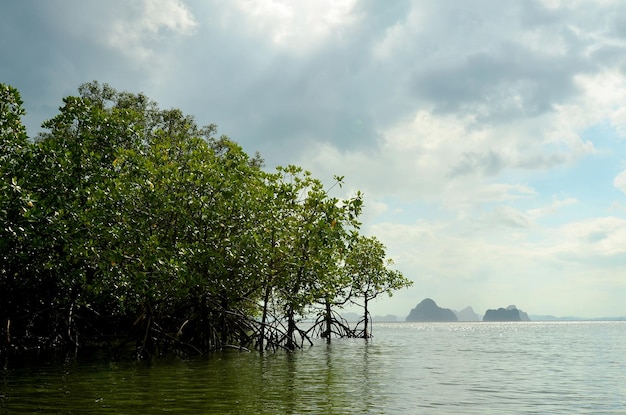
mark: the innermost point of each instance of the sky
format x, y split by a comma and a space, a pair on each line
488, 137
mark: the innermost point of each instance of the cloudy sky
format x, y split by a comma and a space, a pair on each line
489, 137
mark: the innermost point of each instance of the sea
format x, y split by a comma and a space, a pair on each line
405, 368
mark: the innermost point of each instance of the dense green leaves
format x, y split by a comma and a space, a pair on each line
125, 224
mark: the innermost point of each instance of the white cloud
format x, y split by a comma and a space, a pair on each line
553, 208
604, 98
510, 216
447, 159
147, 22
593, 241
620, 181
169, 14
295, 25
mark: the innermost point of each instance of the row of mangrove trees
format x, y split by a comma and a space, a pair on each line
128, 228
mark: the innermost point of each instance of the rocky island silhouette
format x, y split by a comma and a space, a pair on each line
428, 311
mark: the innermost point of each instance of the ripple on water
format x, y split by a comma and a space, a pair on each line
469, 368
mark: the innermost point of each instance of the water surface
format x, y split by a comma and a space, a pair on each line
407, 368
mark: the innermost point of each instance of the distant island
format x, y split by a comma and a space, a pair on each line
389, 318
467, 314
428, 310
511, 313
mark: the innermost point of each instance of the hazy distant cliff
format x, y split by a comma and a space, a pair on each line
428, 310
511, 313
467, 314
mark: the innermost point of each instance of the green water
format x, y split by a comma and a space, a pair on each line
315, 380
407, 368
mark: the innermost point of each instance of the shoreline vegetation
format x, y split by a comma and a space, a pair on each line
128, 229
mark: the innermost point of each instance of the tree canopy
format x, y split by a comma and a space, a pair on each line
127, 227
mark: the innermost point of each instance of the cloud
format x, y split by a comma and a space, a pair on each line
349, 75
484, 61
509, 216
296, 25
54, 47
499, 85
592, 242
620, 181
490, 163
554, 207
137, 31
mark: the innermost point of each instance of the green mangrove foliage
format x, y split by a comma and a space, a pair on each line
127, 227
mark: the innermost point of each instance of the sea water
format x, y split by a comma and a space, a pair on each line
406, 368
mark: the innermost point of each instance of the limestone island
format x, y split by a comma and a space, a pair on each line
511, 313
429, 311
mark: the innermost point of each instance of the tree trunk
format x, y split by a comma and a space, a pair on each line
224, 329
291, 329
329, 322
266, 299
366, 321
